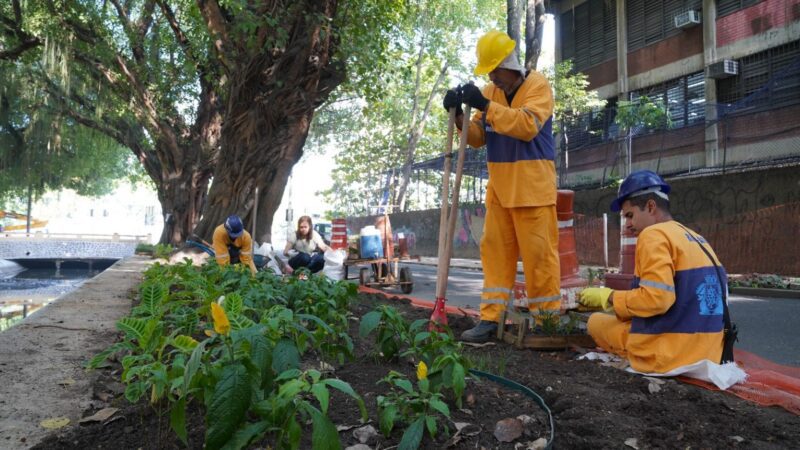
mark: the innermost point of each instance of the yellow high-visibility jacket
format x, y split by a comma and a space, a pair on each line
222, 242
676, 306
519, 143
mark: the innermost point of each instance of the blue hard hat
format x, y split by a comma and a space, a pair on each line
639, 181
234, 227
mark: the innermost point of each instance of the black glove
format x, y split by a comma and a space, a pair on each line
473, 97
452, 99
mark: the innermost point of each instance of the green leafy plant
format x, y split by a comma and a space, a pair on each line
643, 111
163, 251
216, 335
420, 409
393, 331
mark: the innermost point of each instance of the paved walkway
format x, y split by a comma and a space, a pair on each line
41, 367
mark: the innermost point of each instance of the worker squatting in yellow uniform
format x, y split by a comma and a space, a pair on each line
673, 315
239, 249
520, 196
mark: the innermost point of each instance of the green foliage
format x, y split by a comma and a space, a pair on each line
395, 101
438, 350
163, 251
643, 111
570, 91
420, 409
248, 379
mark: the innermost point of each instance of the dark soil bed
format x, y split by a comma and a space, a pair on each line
594, 406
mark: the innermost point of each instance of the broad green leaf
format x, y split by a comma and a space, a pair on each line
368, 323
404, 385
387, 418
295, 433
285, 356
413, 435
134, 391
177, 419
324, 435
430, 423
244, 436
459, 383
322, 395
184, 343
421, 336
437, 404
102, 356
228, 406
289, 374
233, 303
133, 328
193, 365
345, 387
291, 388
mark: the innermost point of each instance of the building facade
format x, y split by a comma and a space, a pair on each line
727, 73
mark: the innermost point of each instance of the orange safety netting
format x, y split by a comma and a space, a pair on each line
768, 383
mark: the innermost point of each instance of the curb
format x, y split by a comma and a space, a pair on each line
765, 292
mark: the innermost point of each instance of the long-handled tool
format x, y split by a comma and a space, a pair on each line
447, 223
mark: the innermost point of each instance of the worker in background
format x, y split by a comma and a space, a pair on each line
513, 118
232, 244
673, 316
305, 241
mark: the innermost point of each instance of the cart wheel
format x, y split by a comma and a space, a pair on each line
363, 276
407, 282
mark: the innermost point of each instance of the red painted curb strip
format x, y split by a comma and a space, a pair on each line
420, 303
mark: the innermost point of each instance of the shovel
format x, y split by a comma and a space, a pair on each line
447, 223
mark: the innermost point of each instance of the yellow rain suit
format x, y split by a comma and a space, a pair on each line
236, 250
520, 196
673, 315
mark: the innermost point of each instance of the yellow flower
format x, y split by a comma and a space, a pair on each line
422, 370
221, 323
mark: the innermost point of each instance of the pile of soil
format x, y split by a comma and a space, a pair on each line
594, 406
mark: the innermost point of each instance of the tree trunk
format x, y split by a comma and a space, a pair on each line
534, 28
270, 103
181, 196
513, 20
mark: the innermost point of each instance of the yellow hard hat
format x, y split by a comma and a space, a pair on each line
493, 47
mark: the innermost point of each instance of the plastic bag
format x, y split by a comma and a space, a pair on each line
334, 264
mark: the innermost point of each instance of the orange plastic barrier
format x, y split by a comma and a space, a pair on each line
571, 282
768, 383
338, 234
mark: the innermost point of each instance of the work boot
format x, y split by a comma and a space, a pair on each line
482, 332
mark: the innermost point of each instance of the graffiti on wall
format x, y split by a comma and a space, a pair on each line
469, 226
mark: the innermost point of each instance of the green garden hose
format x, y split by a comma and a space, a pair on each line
525, 390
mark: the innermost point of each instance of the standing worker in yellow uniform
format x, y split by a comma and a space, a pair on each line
232, 244
514, 120
676, 311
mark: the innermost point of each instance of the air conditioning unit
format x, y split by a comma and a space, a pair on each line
687, 19
723, 69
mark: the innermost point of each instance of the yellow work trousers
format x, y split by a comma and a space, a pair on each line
609, 333
508, 233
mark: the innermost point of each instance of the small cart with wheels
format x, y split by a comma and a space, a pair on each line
384, 270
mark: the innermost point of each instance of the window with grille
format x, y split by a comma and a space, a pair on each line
725, 7
589, 33
650, 21
766, 80
684, 98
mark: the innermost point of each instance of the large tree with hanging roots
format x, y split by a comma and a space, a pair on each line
200, 90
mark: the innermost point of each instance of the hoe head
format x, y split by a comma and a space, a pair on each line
439, 316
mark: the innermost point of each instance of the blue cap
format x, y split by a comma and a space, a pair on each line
234, 227
639, 183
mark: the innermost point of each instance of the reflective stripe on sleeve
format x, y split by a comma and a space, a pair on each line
657, 285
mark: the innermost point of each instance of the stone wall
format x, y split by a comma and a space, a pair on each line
49, 248
751, 218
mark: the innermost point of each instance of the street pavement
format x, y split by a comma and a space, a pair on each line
767, 326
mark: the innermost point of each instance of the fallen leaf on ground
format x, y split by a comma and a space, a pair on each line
507, 430
655, 380
100, 416
653, 388
365, 434
54, 423
66, 382
632, 442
